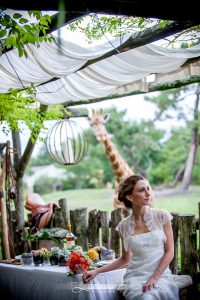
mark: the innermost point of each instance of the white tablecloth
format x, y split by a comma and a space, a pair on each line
52, 283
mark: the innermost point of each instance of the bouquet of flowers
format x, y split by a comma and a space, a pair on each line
37, 252
107, 254
93, 254
78, 262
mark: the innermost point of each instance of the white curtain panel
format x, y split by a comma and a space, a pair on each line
62, 59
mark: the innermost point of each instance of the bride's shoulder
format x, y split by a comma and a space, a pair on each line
162, 214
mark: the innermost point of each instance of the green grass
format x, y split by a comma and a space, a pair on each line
101, 199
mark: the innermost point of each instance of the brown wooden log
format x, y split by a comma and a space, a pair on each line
116, 216
5, 229
188, 246
29, 218
104, 221
78, 218
2, 252
57, 218
93, 228
65, 218
175, 227
4, 223
199, 235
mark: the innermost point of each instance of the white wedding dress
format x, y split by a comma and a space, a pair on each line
147, 251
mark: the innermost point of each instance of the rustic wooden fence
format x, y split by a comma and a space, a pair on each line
98, 228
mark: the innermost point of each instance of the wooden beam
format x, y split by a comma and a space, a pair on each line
138, 39
151, 88
146, 36
160, 9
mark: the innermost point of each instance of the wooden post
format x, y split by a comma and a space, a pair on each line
65, 219
57, 218
3, 212
78, 218
60, 217
199, 236
2, 252
188, 245
116, 217
104, 220
93, 227
175, 228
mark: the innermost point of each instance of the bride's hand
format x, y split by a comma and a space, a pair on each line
87, 276
151, 283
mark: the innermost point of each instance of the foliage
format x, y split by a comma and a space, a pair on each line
172, 157
18, 107
44, 235
44, 184
16, 30
98, 26
138, 142
55, 250
174, 152
43, 159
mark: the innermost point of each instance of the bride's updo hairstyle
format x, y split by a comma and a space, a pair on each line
126, 188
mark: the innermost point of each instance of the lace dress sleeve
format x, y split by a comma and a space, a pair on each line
164, 216
119, 228
123, 232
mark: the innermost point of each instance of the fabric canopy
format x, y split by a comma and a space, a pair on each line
61, 61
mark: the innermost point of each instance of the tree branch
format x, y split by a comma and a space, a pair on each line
28, 150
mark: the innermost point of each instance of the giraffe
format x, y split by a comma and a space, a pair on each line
119, 165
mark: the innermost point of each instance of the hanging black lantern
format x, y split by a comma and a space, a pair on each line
66, 142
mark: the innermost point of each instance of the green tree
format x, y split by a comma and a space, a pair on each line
173, 101
138, 142
16, 30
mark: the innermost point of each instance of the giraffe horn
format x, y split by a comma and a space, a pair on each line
101, 111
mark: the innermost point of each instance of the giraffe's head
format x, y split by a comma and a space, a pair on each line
97, 121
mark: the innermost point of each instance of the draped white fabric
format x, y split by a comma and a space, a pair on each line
62, 59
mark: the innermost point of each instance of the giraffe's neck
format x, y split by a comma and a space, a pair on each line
119, 166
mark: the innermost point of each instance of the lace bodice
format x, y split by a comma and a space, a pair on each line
154, 220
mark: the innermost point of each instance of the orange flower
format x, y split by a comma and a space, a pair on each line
78, 263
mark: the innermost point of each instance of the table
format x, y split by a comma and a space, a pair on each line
52, 283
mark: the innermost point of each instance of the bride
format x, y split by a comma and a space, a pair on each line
147, 245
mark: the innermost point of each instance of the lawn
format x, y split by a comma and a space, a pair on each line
101, 199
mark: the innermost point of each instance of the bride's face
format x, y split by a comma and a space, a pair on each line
141, 195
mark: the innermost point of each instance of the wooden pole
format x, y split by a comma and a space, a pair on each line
175, 228
104, 221
199, 236
64, 212
114, 238
188, 245
78, 218
93, 228
3, 213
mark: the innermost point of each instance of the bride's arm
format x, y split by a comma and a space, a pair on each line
121, 262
